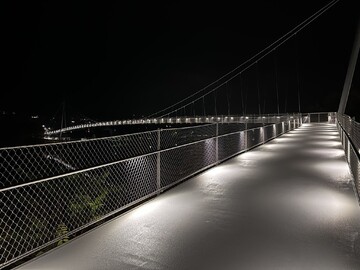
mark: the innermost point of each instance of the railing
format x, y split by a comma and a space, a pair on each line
319, 117
263, 119
350, 138
51, 191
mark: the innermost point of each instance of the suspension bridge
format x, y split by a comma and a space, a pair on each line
229, 191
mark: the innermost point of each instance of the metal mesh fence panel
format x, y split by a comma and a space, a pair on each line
349, 139
287, 126
352, 129
314, 118
355, 168
279, 128
36, 214
323, 117
179, 136
329, 117
292, 124
231, 144
332, 116
23, 164
181, 162
269, 132
253, 137
226, 128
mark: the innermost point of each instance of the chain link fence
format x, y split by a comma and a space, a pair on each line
352, 129
25, 164
49, 192
350, 138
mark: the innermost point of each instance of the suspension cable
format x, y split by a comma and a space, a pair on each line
276, 82
251, 61
297, 71
258, 86
241, 95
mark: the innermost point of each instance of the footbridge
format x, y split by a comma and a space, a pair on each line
225, 191
280, 195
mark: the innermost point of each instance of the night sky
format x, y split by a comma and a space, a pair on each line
119, 60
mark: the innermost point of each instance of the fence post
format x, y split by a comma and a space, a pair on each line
158, 182
245, 138
217, 144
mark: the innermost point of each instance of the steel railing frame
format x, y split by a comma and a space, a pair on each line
168, 167
349, 131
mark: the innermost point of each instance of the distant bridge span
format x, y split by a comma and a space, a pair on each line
265, 119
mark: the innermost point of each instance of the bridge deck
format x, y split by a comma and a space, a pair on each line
288, 204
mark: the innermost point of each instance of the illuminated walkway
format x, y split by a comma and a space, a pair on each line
288, 204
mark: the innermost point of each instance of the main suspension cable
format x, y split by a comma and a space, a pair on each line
251, 61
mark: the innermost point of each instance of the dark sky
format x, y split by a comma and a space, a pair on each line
115, 60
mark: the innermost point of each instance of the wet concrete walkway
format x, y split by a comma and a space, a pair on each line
288, 204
